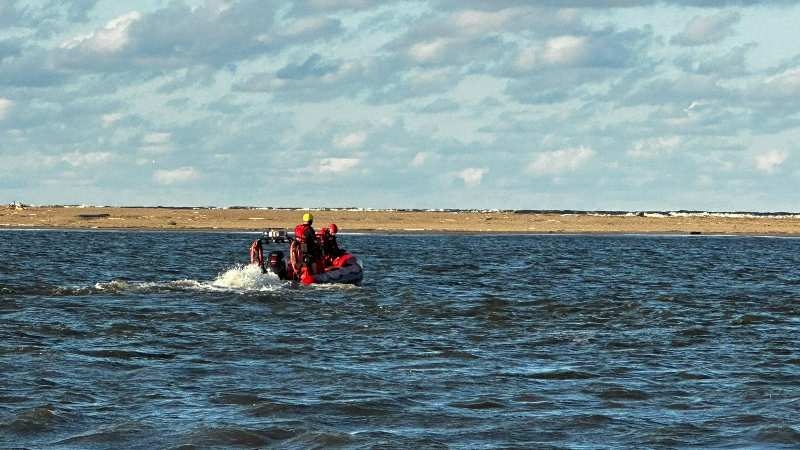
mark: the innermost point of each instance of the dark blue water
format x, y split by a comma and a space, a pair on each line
156, 340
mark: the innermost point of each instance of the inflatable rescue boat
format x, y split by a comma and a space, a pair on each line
329, 264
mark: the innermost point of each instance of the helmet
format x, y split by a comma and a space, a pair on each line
333, 228
308, 217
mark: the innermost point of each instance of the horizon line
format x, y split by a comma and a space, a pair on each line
356, 208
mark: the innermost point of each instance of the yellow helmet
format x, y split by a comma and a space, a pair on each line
308, 217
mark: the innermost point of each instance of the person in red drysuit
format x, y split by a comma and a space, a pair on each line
330, 248
309, 256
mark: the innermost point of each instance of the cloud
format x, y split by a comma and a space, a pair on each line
316, 6
113, 37
704, 30
33, 67
111, 118
440, 105
314, 67
350, 140
680, 90
339, 79
5, 107
429, 51
730, 64
419, 159
156, 143
79, 159
214, 34
10, 47
607, 49
654, 147
176, 176
771, 160
12, 15
558, 51
604, 4
472, 176
560, 161
76, 10
157, 138
333, 165
476, 21
466, 84
36, 160
784, 84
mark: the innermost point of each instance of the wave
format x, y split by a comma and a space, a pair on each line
241, 279
238, 279
247, 277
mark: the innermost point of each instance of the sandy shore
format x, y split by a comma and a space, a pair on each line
384, 221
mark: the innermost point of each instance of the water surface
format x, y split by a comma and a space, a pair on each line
158, 340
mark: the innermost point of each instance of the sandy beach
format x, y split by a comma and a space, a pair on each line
162, 218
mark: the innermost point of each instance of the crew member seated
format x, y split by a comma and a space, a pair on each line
330, 248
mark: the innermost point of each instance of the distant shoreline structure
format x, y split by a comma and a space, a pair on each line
564, 212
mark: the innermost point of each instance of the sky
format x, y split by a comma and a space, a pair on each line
505, 104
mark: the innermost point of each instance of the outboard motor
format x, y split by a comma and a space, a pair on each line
276, 264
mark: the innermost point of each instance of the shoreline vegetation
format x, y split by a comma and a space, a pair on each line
19, 216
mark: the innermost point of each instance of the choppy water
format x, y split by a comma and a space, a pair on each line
157, 340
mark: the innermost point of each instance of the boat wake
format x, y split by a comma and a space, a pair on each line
248, 278
240, 278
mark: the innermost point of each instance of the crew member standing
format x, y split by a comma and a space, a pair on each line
306, 238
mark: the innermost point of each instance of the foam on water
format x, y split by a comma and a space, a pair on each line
238, 278
247, 277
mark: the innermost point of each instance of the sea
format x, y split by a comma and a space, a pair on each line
150, 340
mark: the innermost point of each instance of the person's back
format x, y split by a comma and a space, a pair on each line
304, 233
306, 242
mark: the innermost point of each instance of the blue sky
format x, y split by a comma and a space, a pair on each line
574, 104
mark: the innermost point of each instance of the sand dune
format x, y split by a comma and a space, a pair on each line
388, 221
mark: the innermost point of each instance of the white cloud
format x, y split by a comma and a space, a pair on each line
111, 119
707, 30
156, 143
771, 160
176, 176
307, 25
332, 5
433, 78
428, 51
109, 39
558, 51
419, 159
786, 83
579, 75
78, 159
560, 161
476, 21
472, 176
333, 165
565, 50
654, 148
351, 140
157, 138
5, 107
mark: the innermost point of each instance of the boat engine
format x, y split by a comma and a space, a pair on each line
276, 264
